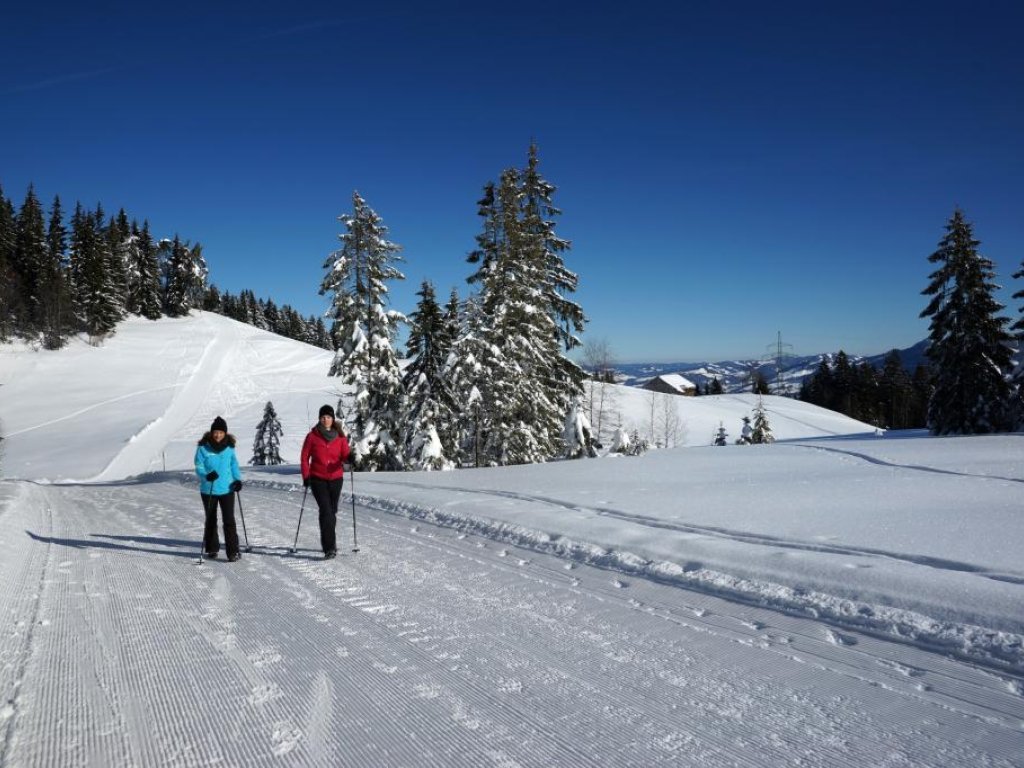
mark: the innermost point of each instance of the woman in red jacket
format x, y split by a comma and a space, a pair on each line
323, 455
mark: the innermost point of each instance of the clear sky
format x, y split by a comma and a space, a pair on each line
727, 171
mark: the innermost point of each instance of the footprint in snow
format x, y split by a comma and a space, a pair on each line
839, 639
261, 694
285, 737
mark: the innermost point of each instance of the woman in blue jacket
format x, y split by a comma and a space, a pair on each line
219, 479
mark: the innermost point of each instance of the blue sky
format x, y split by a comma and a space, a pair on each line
727, 171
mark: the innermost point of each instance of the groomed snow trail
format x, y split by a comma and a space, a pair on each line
429, 648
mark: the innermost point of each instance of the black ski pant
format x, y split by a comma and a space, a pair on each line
327, 494
211, 543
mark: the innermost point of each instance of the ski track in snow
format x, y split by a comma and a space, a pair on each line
741, 536
432, 646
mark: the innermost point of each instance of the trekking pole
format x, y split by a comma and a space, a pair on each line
202, 542
238, 495
301, 508
352, 493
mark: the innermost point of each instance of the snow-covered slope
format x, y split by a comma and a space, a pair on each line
141, 400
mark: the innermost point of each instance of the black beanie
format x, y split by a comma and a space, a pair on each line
326, 410
219, 424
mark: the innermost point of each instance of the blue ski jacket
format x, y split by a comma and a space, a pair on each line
220, 459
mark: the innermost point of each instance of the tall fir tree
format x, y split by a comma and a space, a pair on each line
147, 274
430, 406
56, 291
119, 261
184, 276
761, 432
538, 224
969, 345
521, 384
266, 446
30, 259
364, 330
98, 312
523, 323
1017, 377
10, 294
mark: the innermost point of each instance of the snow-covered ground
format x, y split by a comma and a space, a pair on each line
837, 598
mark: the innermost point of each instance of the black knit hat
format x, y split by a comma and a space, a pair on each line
219, 424
326, 410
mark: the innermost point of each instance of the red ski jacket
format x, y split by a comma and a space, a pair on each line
321, 458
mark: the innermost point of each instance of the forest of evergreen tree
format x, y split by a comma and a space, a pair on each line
489, 381
56, 282
891, 398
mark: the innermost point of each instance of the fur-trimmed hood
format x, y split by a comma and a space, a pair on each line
207, 440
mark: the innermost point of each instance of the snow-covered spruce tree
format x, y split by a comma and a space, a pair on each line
30, 261
538, 227
577, 436
469, 370
10, 297
521, 387
762, 431
721, 436
266, 447
1017, 377
429, 402
120, 259
58, 320
147, 273
364, 331
620, 441
969, 345
97, 306
184, 271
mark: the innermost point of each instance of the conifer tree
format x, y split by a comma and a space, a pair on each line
143, 273
896, 392
721, 436
10, 295
266, 447
969, 345
762, 431
577, 434
471, 368
55, 289
429, 402
97, 310
30, 259
184, 276
558, 283
519, 377
120, 261
364, 330
1017, 377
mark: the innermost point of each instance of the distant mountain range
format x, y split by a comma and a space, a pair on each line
735, 374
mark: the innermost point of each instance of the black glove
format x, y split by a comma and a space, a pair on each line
236, 486
305, 482
211, 476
